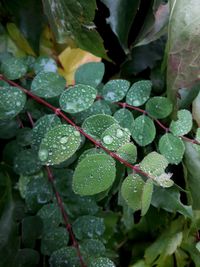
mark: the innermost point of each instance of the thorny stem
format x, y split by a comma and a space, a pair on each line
61, 206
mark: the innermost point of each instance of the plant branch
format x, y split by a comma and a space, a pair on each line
61, 206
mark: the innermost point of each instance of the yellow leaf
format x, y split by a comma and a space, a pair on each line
19, 39
71, 59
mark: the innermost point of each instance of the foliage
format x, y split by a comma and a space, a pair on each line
97, 167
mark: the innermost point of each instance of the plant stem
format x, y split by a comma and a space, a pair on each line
61, 206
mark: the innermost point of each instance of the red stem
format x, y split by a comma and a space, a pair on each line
65, 217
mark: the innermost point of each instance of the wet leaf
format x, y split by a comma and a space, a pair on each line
48, 84
125, 118
115, 136
131, 190
159, 107
115, 90
146, 196
102, 262
45, 64
13, 68
128, 152
183, 124
144, 130
88, 227
12, 101
66, 256
77, 98
59, 144
139, 93
94, 174
172, 147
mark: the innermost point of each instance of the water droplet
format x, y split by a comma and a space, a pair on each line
63, 140
18, 104
43, 154
107, 139
119, 133
76, 133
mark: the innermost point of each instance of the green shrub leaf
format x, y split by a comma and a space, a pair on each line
48, 84
95, 125
94, 174
131, 190
125, 118
146, 196
90, 73
77, 98
154, 164
128, 152
172, 147
102, 262
66, 256
115, 136
88, 227
12, 101
115, 90
144, 130
14, 68
54, 239
183, 125
159, 107
59, 144
42, 126
45, 64
139, 93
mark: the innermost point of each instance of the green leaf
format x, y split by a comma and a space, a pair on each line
13, 68
12, 101
154, 164
125, 118
45, 64
102, 262
77, 98
122, 14
26, 162
183, 125
24, 136
8, 129
146, 196
139, 93
144, 130
66, 256
59, 144
48, 84
172, 147
128, 152
159, 107
38, 192
169, 200
90, 73
88, 227
92, 247
115, 90
115, 136
183, 46
131, 190
98, 107
73, 20
95, 125
94, 174
54, 239
31, 230
192, 173
50, 215
42, 126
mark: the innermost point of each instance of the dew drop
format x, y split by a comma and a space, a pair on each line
63, 140
18, 104
43, 154
119, 133
107, 139
76, 133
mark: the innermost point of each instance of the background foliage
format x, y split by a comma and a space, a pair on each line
100, 162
